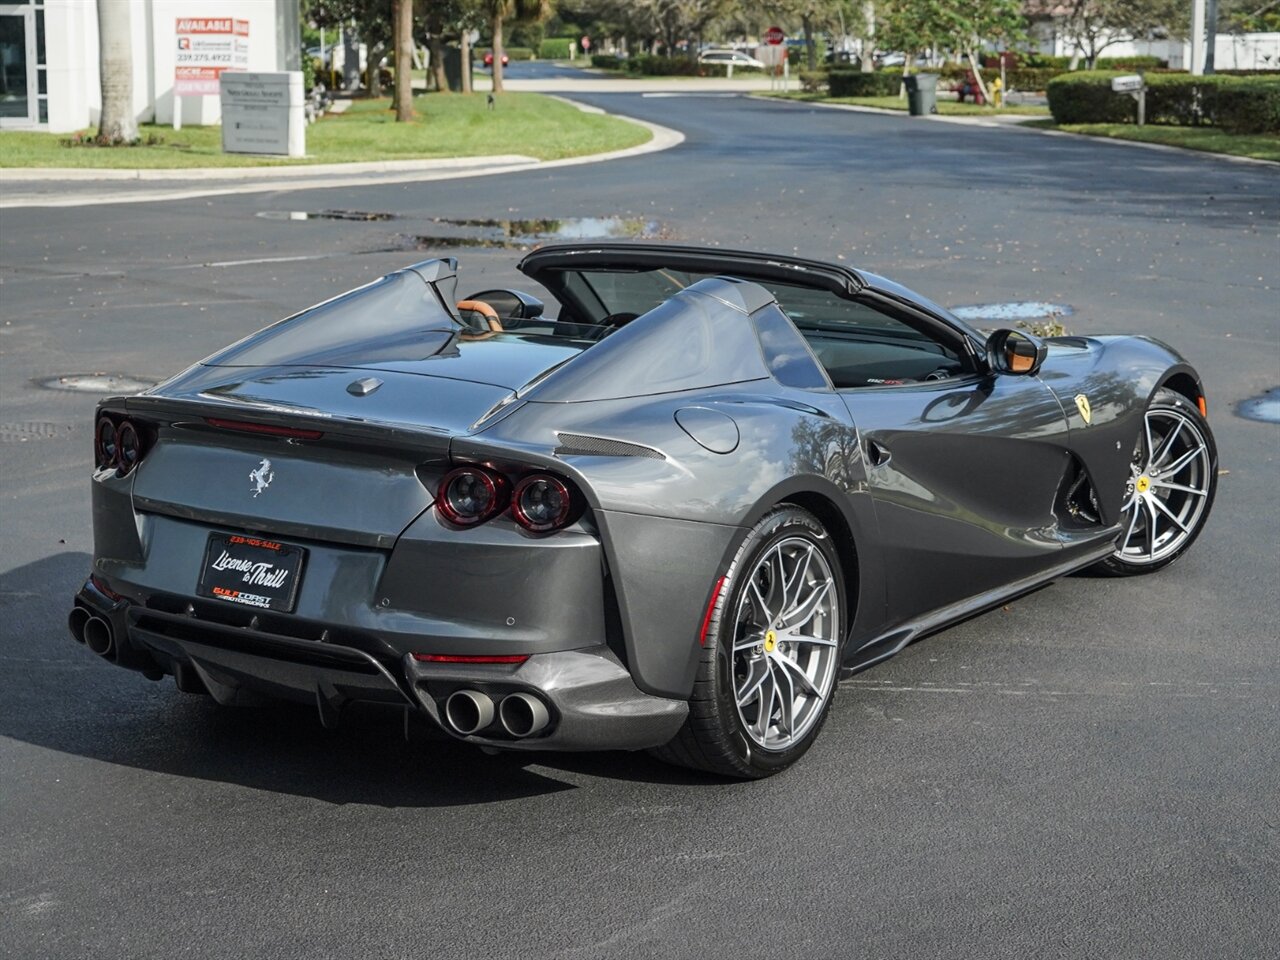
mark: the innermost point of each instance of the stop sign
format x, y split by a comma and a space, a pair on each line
586, 43
774, 35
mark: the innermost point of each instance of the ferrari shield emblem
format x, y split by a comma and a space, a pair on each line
1086, 411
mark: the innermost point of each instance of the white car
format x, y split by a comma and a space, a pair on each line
729, 57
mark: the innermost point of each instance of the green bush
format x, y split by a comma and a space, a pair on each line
654, 66
603, 61
1087, 97
813, 81
1063, 64
1181, 100
854, 83
555, 48
1236, 104
1132, 63
1018, 78
722, 70
1249, 106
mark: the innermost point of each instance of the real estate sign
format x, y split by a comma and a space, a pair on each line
208, 47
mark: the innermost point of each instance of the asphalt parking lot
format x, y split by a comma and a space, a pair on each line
1090, 772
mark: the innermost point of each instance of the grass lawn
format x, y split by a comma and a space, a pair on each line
1260, 146
447, 125
945, 107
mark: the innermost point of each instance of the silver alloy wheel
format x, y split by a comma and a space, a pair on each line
1168, 488
785, 643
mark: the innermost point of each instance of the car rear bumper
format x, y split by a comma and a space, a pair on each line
591, 701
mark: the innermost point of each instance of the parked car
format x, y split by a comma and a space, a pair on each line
842, 58
669, 517
730, 57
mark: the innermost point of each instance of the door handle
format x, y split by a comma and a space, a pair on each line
877, 454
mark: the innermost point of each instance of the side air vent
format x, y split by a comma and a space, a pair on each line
581, 445
1077, 504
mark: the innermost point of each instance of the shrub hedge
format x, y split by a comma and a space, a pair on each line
555, 48
813, 81
606, 61
855, 83
655, 66
1236, 104
1249, 106
1018, 78
1062, 64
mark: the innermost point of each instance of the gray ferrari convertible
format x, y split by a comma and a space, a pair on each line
671, 517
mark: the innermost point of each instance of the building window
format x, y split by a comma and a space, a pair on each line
24, 87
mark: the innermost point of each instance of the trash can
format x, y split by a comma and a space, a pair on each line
453, 67
922, 93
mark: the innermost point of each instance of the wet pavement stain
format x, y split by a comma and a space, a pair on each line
523, 234
1014, 310
361, 216
1265, 408
101, 383
27, 431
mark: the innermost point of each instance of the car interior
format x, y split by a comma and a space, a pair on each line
856, 343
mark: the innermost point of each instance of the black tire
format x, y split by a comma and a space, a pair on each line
1189, 430
715, 738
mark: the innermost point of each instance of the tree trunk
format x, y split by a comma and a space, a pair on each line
465, 45
374, 71
404, 60
810, 47
437, 59
497, 53
868, 64
977, 76
115, 62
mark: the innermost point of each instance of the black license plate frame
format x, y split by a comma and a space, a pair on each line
256, 572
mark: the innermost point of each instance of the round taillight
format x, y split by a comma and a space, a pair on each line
541, 502
129, 447
470, 495
104, 443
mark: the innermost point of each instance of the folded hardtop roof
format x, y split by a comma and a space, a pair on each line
652, 256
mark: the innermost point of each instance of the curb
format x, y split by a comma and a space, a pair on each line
80, 174
1023, 125
341, 175
1164, 147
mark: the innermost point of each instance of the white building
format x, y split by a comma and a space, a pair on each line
49, 57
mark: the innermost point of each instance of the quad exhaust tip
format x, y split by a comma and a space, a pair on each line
468, 711
98, 636
523, 714
76, 621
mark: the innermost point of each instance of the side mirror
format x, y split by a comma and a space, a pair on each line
511, 304
1015, 352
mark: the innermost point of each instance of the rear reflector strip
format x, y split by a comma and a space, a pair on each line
270, 430
711, 609
452, 658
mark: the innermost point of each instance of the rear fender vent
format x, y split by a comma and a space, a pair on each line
581, 445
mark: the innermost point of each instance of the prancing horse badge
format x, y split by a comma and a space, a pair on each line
1086, 411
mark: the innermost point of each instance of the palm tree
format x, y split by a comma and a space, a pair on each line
115, 64
501, 10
